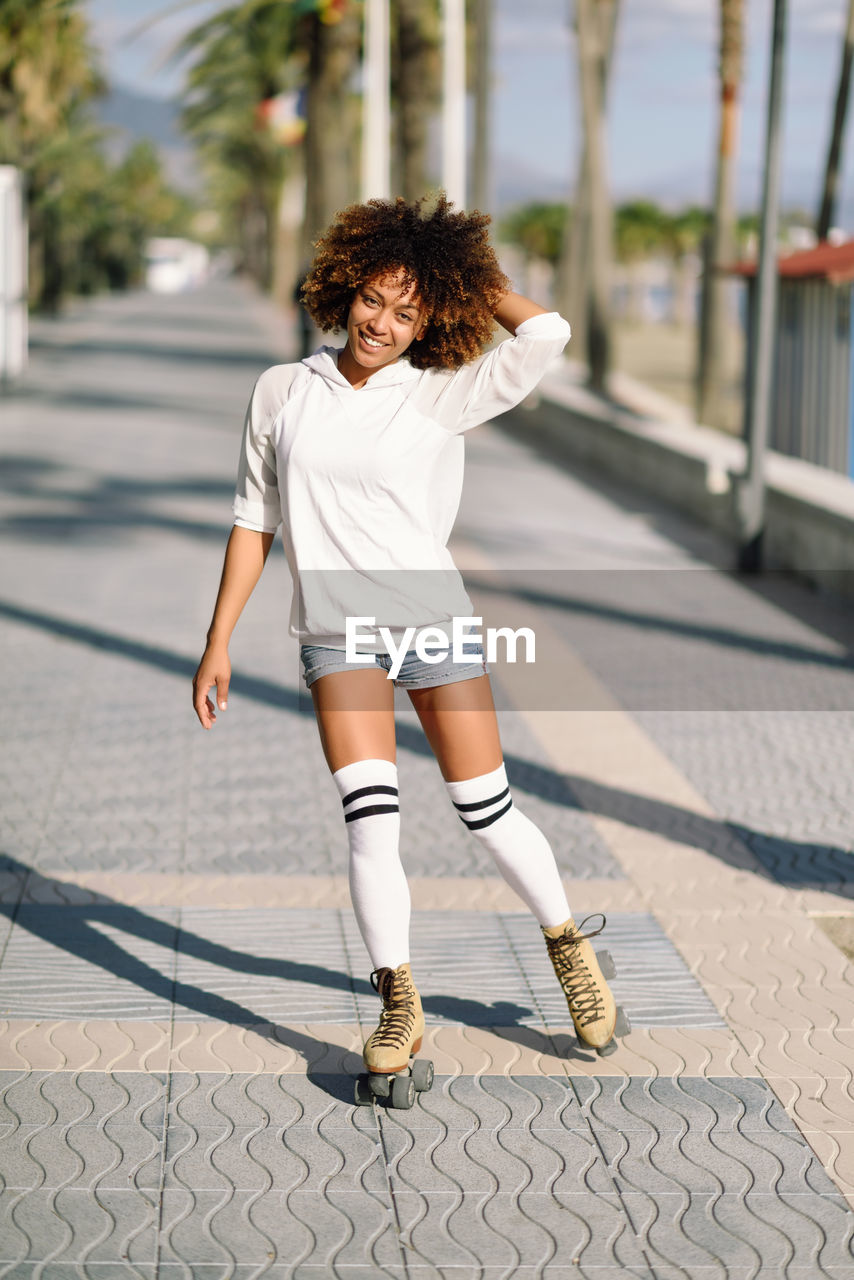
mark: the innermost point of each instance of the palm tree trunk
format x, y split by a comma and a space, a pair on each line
572, 277
481, 174
413, 81
715, 327
330, 133
592, 19
831, 173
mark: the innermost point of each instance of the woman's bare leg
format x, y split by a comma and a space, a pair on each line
461, 726
355, 716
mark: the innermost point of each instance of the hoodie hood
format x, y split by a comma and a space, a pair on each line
325, 362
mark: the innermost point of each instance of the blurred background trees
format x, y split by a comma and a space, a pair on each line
88, 220
715, 354
242, 58
272, 102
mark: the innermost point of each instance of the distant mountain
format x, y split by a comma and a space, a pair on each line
130, 116
514, 183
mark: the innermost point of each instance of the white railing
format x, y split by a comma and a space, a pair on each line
13, 274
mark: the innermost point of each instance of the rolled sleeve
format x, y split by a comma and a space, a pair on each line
499, 379
256, 499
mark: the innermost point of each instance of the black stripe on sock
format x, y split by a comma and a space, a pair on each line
369, 791
486, 822
482, 804
371, 810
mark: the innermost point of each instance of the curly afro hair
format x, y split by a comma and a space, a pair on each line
445, 253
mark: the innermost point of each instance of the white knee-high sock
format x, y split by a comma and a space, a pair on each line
378, 888
522, 853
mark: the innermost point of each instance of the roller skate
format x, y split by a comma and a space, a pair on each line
389, 1051
582, 973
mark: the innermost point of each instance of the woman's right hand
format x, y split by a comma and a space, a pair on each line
214, 670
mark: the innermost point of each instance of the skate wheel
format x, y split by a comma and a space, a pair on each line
606, 964
403, 1093
363, 1095
380, 1086
623, 1026
422, 1075
607, 1049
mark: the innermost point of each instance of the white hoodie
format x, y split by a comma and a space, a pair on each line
366, 483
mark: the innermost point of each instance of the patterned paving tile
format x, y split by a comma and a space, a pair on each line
281, 965
225, 1101
493, 970
335, 1230
512, 1173
79, 1225
100, 1098
460, 1229
721, 1235
658, 1105
782, 781
70, 962
652, 983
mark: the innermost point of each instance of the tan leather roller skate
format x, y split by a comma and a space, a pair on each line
389, 1050
582, 973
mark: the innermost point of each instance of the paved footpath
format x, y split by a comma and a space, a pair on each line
183, 993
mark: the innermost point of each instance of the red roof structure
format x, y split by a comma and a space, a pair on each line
833, 262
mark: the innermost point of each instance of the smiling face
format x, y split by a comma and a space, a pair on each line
385, 319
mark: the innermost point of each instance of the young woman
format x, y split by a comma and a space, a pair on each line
357, 453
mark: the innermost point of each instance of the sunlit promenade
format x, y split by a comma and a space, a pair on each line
183, 990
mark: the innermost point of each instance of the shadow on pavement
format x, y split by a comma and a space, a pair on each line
111, 504
73, 928
721, 636
114, 503
820, 607
790, 862
258, 360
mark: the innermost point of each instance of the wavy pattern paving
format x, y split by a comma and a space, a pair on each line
652, 1176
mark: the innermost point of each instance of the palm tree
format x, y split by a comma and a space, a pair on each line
536, 229
641, 230
831, 173
331, 34
481, 193
714, 362
687, 232
595, 22
47, 72
415, 80
47, 75
245, 56
88, 221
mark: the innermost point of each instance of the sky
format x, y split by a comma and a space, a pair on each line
662, 111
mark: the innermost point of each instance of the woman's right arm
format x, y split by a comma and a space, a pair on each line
245, 556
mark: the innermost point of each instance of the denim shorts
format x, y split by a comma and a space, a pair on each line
414, 673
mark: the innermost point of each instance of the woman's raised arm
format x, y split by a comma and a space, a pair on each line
514, 309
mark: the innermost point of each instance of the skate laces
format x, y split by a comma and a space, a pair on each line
583, 993
397, 1018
